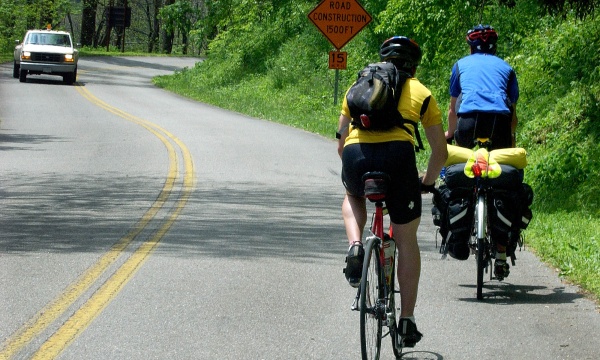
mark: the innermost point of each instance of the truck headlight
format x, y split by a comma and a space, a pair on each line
25, 55
69, 58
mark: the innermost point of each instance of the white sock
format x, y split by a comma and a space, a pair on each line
411, 318
501, 256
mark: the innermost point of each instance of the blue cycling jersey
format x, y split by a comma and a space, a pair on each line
487, 84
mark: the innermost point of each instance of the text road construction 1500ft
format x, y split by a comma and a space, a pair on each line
339, 21
340, 18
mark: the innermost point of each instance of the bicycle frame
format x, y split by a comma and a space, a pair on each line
375, 297
481, 241
377, 234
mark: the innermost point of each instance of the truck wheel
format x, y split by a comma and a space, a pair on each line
22, 75
16, 70
70, 78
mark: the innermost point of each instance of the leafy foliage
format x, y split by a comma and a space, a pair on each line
581, 8
560, 87
18, 16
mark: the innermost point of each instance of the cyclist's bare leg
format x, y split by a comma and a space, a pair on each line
409, 265
354, 212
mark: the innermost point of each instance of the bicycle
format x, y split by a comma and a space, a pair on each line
378, 289
480, 242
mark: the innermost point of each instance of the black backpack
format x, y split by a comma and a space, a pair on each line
373, 99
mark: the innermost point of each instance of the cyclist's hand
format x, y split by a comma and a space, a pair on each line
427, 188
449, 138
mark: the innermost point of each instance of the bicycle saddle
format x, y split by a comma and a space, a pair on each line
376, 185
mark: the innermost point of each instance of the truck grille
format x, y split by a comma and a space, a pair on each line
46, 57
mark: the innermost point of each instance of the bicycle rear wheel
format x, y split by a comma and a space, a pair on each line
372, 310
481, 234
480, 267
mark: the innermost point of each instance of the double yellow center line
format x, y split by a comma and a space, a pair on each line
85, 314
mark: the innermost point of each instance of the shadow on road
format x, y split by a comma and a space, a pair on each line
503, 293
421, 355
25, 139
62, 213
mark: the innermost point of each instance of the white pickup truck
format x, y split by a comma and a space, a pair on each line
46, 52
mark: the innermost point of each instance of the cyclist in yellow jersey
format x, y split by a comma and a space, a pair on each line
392, 151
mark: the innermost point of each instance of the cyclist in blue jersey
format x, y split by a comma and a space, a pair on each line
483, 98
484, 93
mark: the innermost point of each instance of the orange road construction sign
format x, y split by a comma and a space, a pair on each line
339, 20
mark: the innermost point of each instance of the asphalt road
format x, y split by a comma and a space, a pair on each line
136, 224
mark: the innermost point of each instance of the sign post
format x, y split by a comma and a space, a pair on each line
339, 21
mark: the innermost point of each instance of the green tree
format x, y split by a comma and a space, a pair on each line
179, 17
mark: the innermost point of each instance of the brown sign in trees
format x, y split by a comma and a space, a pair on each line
339, 20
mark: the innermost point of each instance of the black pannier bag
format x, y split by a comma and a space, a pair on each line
526, 199
504, 212
455, 219
455, 176
509, 214
511, 178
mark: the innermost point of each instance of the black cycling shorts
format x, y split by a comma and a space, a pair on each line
496, 127
397, 159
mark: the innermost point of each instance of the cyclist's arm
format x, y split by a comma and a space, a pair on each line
439, 153
513, 125
343, 124
452, 118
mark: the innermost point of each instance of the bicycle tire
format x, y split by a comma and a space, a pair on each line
371, 291
480, 267
481, 216
395, 299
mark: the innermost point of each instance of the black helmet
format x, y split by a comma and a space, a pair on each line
402, 51
482, 38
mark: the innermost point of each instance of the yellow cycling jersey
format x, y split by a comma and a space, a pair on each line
411, 100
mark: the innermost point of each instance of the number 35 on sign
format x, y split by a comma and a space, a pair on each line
338, 59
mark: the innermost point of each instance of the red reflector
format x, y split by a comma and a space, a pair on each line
365, 121
476, 170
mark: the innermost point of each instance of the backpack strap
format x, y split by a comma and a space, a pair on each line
419, 146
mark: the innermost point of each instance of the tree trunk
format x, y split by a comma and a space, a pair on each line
167, 39
88, 22
154, 25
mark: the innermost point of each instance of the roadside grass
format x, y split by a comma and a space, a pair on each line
569, 242
565, 240
257, 97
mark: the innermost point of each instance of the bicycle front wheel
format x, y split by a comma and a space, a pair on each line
394, 295
372, 308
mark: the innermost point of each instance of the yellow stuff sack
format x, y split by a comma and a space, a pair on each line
516, 157
457, 155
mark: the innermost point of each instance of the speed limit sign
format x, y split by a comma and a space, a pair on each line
338, 59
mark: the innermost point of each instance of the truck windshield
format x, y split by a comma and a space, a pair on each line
49, 39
